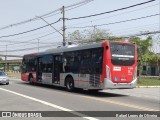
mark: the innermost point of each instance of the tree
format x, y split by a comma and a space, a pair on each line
113, 38
1, 65
75, 36
90, 35
143, 46
97, 34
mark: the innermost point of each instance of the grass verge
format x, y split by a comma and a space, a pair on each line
148, 82
14, 75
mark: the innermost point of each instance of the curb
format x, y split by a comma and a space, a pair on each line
147, 86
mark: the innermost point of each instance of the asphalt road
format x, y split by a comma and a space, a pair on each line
20, 96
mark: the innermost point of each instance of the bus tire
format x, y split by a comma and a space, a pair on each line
30, 79
69, 84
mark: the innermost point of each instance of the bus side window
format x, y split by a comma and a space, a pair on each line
96, 60
23, 68
47, 63
85, 62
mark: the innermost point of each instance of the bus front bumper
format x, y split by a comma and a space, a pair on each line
108, 84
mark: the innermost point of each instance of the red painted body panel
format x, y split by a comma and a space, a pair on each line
119, 74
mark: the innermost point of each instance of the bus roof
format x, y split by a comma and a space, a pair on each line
62, 49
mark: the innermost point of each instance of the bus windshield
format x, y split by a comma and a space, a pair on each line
122, 54
28, 64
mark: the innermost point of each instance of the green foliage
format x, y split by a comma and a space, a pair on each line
1, 65
143, 46
144, 53
116, 39
76, 36
97, 34
90, 35
151, 58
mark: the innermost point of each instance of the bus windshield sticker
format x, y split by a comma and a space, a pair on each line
116, 68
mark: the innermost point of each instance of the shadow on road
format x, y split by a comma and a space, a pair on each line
2, 84
76, 91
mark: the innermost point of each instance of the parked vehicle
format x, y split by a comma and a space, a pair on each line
4, 79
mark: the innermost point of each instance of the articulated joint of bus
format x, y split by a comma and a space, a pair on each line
108, 84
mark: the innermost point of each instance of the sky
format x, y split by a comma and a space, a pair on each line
18, 11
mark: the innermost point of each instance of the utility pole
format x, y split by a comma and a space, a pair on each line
5, 68
64, 29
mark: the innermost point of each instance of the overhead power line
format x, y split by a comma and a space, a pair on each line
31, 48
26, 41
145, 27
29, 43
78, 5
112, 10
116, 22
29, 30
114, 15
141, 34
47, 14
56, 43
73, 5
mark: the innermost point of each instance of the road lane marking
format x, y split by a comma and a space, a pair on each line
120, 103
142, 96
50, 104
117, 103
136, 95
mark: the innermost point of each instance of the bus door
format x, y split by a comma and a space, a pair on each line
57, 69
39, 69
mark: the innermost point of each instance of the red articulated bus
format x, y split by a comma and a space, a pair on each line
106, 65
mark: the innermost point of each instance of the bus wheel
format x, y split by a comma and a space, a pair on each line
69, 84
30, 80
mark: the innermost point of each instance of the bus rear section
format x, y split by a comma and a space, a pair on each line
121, 65
28, 68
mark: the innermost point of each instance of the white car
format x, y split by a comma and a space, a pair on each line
4, 78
